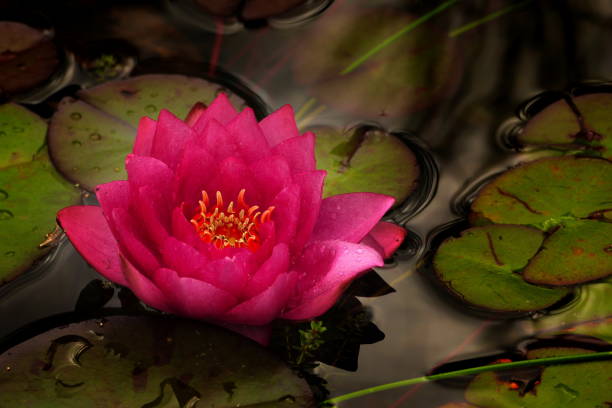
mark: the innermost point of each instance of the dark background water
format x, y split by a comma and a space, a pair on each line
477, 81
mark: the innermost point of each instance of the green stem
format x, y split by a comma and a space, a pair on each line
605, 355
487, 18
413, 24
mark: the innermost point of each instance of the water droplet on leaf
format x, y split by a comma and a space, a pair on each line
6, 215
75, 116
3, 195
95, 137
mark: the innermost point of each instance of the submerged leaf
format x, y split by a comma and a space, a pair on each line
483, 265
146, 362
31, 192
90, 137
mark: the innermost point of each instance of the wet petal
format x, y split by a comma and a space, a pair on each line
112, 195
220, 109
246, 133
144, 136
277, 263
132, 245
386, 237
144, 288
349, 217
171, 136
311, 190
299, 152
326, 268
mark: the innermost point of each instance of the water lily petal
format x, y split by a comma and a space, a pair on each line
182, 229
218, 141
349, 217
277, 263
311, 189
111, 195
229, 274
151, 210
233, 175
185, 260
298, 151
248, 137
144, 136
90, 234
265, 307
326, 268
220, 109
192, 297
195, 170
386, 236
149, 171
171, 136
144, 288
279, 126
286, 213
131, 245
271, 175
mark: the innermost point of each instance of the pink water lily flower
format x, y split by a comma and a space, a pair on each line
222, 219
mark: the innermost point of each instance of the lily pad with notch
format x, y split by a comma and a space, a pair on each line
573, 123
582, 385
31, 191
142, 361
483, 268
366, 158
89, 137
545, 193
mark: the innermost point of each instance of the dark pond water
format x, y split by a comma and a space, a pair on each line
454, 92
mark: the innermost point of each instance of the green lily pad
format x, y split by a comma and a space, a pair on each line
546, 192
582, 385
458, 405
576, 252
589, 314
365, 159
482, 267
559, 126
146, 362
31, 191
406, 76
90, 137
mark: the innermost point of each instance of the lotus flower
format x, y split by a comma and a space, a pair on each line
221, 219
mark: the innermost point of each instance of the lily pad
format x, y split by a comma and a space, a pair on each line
482, 267
582, 385
559, 126
146, 362
545, 193
366, 159
89, 137
589, 314
576, 252
31, 191
407, 76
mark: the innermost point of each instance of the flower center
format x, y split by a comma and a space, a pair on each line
232, 226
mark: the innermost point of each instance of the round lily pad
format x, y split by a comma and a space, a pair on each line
89, 137
28, 58
366, 159
581, 385
31, 191
406, 76
589, 314
585, 125
545, 193
576, 252
482, 267
146, 362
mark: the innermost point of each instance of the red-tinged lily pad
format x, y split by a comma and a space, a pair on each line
482, 267
366, 159
590, 314
89, 137
28, 58
146, 362
581, 385
587, 125
576, 252
406, 76
546, 192
31, 191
